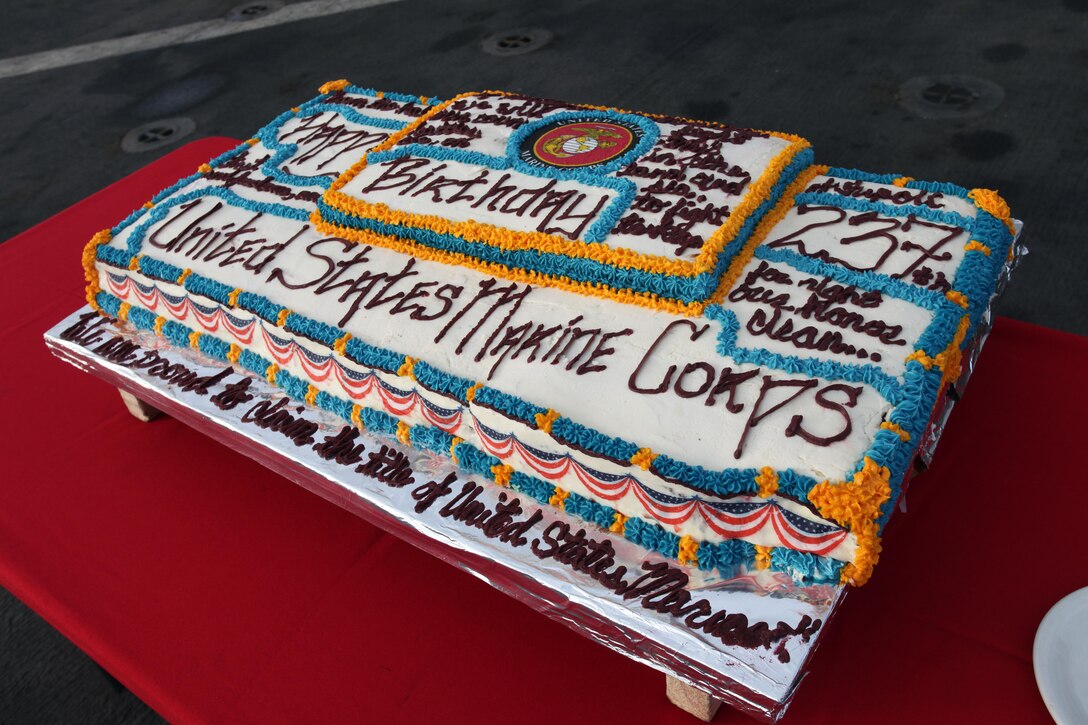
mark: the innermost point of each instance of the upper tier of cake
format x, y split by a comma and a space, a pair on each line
643, 208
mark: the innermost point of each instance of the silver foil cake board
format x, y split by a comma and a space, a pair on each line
426, 500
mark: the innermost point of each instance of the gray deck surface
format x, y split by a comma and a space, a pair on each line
831, 72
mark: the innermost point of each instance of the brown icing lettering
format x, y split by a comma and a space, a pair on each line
795, 427
406, 108
431, 491
805, 338
341, 447
663, 589
888, 237
633, 383
758, 414
245, 170
87, 330
855, 189
325, 132
233, 395
708, 373
389, 466
728, 382
499, 522
208, 243
592, 364
276, 417
828, 303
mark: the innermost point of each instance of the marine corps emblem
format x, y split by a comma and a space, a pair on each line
579, 143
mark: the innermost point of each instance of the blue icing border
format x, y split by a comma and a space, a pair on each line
176, 333
253, 362
928, 299
588, 509
977, 275
321, 332
261, 306
144, 319
534, 488
378, 420
333, 404
511, 405
373, 357
112, 255
213, 346
726, 482
157, 269
857, 175
806, 567
441, 382
941, 187
652, 537
795, 485
208, 287
617, 449
846, 202
430, 438
725, 556
475, 460
867, 373
109, 303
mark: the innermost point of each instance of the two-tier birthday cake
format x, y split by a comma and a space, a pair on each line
683, 332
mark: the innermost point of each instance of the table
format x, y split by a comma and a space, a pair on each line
216, 591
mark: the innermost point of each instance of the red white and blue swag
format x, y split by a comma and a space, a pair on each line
737, 518
729, 519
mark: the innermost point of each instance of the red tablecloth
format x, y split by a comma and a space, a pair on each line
217, 591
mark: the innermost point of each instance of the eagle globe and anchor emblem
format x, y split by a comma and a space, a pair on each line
579, 143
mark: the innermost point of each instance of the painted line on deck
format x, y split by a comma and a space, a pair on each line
190, 33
